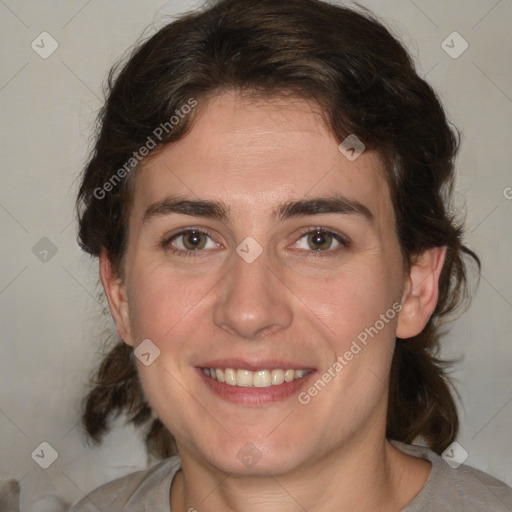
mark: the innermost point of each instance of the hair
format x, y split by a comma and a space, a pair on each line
364, 81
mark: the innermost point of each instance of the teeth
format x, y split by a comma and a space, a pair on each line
244, 378
230, 376
261, 379
258, 379
277, 377
289, 375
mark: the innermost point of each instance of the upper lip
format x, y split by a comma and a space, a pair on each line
254, 364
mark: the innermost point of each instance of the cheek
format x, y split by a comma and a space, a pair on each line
350, 300
162, 301
357, 305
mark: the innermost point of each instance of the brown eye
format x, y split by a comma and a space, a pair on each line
193, 240
188, 242
320, 240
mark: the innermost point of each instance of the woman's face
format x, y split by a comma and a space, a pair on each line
257, 289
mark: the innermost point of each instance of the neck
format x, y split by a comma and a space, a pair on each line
367, 476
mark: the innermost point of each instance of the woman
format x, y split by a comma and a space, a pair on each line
269, 199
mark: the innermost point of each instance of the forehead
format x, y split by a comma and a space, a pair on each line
257, 152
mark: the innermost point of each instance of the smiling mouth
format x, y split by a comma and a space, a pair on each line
256, 379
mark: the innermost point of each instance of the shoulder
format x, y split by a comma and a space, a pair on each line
133, 491
457, 488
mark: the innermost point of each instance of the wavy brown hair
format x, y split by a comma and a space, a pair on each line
365, 83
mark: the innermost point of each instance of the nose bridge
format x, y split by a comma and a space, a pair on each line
252, 301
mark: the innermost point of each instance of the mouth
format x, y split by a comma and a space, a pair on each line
254, 384
254, 379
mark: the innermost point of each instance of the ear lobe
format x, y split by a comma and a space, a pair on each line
421, 292
115, 290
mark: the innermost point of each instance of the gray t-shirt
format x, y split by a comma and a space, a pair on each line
446, 489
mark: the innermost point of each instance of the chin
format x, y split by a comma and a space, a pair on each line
254, 457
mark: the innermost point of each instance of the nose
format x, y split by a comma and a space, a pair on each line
253, 301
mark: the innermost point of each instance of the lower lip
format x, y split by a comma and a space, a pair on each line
254, 396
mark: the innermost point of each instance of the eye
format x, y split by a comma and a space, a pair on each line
192, 242
188, 242
322, 240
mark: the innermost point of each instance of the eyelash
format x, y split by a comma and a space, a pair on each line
312, 253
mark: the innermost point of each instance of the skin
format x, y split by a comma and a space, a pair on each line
330, 454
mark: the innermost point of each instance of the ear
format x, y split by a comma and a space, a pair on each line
115, 290
421, 292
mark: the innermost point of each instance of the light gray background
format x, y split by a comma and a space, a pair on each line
49, 311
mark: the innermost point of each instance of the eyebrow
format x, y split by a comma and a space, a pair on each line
218, 210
